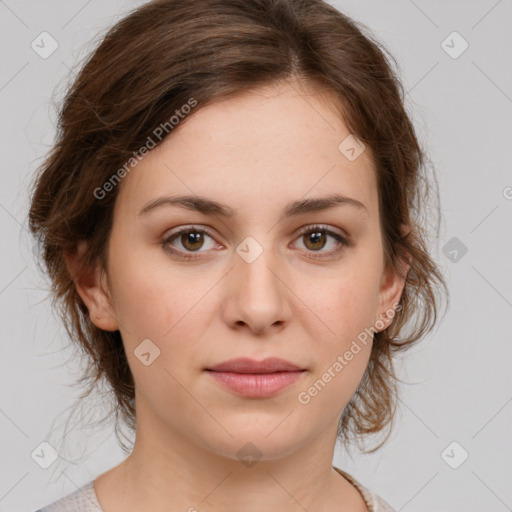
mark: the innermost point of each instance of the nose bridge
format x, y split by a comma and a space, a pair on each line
256, 259
258, 295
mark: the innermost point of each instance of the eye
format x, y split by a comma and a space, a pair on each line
191, 239
317, 237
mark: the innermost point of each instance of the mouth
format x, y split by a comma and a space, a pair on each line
246, 365
255, 379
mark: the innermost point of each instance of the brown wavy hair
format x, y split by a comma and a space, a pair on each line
150, 64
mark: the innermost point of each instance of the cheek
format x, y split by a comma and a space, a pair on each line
341, 336
343, 306
148, 295
167, 308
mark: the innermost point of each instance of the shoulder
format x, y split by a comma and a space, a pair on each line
374, 502
82, 500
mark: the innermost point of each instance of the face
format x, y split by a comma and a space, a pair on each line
265, 281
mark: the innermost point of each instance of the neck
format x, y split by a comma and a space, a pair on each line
168, 471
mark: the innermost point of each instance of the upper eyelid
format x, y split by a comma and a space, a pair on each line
301, 231
210, 231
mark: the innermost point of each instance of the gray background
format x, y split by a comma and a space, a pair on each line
459, 385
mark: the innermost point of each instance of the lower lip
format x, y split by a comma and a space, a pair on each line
256, 385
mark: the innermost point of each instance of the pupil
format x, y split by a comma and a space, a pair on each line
191, 239
316, 237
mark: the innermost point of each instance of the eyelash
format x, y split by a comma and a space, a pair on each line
343, 241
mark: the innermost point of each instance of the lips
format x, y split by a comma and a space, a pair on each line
255, 379
247, 365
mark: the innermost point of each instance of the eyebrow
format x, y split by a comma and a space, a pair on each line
210, 207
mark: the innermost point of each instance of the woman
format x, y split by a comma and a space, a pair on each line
228, 220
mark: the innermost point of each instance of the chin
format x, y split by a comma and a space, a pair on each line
250, 446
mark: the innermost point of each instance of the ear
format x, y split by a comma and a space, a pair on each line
391, 289
92, 287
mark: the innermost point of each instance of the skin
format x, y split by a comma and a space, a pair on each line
255, 152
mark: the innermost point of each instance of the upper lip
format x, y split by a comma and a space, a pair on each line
247, 365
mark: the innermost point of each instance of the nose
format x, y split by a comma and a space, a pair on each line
257, 295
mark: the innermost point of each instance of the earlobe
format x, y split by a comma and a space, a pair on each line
392, 287
393, 284
90, 286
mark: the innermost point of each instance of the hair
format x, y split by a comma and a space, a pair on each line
146, 69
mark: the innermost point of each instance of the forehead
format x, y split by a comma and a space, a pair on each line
276, 143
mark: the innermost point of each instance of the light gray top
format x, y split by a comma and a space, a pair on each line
85, 499
82, 500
